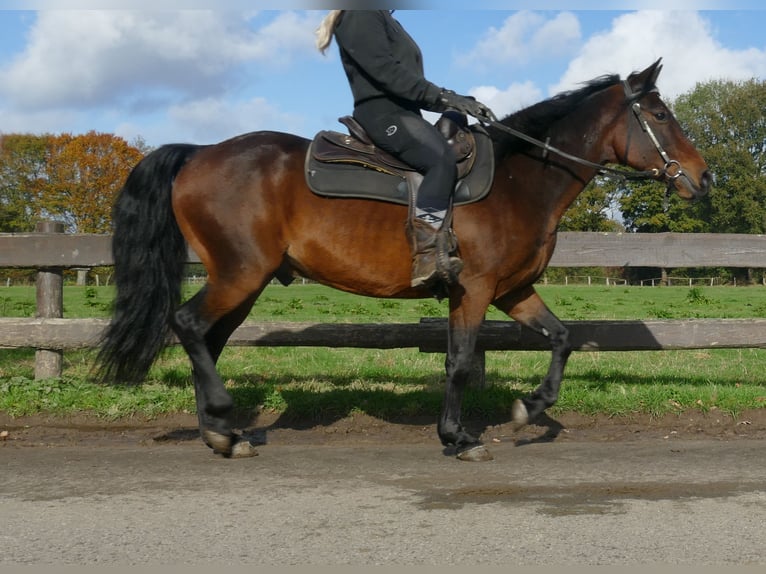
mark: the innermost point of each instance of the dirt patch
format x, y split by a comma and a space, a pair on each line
85, 429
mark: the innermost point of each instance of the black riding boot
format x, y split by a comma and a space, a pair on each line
431, 259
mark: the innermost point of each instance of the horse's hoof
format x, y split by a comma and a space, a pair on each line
220, 443
243, 449
475, 454
519, 414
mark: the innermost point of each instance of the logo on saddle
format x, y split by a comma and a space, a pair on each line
350, 165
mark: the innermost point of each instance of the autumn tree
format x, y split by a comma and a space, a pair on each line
85, 173
68, 178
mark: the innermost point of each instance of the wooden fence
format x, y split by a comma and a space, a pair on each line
50, 251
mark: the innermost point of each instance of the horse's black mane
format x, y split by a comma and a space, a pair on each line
536, 120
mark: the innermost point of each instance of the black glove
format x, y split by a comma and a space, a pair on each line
465, 105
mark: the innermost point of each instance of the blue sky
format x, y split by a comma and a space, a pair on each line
208, 74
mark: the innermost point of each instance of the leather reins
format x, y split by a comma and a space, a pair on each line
670, 171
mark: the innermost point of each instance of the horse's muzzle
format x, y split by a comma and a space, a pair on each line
688, 189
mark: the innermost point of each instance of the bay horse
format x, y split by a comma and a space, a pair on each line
243, 205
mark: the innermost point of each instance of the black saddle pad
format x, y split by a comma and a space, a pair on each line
360, 181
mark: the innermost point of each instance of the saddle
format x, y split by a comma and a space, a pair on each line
350, 165
358, 147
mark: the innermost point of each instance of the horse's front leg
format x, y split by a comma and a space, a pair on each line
531, 312
462, 335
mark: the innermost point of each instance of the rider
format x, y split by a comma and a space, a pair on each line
384, 67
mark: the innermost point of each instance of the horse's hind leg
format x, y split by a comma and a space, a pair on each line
529, 310
203, 335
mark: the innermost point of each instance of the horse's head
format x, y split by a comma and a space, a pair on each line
650, 138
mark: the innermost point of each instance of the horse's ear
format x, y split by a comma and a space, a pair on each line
655, 70
641, 82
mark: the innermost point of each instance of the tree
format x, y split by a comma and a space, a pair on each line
85, 173
22, 174
591, 210
726, 121
140, 144
648, 207
73, 179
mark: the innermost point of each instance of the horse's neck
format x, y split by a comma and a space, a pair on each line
544, 189
584, 139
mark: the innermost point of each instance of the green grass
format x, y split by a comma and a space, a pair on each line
319, 383
317, 303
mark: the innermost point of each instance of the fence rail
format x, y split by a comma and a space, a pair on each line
573, 249
50, 251
429, 335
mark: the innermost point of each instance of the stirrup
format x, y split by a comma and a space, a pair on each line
448, 266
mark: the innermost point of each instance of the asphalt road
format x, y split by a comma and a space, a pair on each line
693, 502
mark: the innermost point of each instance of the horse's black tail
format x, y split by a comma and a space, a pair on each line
149, 255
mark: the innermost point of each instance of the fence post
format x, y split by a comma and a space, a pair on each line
50, 304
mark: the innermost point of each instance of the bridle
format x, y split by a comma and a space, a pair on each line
670, 164
669, 172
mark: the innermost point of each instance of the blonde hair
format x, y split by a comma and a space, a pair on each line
325, 30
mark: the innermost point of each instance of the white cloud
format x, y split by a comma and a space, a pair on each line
690, 54
513, 98
525, 36
45, 121
211, 120
76, 58
557, 36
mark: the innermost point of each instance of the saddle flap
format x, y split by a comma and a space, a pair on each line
334, 147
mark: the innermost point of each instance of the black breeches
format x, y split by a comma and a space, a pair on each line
409, 137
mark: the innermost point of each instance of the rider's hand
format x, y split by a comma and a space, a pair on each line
466, 105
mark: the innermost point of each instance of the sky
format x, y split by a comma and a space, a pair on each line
224, 68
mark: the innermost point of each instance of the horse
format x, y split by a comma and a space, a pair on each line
244, 206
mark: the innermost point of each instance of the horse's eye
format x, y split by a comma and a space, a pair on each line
660, 116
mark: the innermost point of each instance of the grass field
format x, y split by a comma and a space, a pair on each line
321, 382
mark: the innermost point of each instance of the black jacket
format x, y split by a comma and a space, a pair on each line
382, 60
